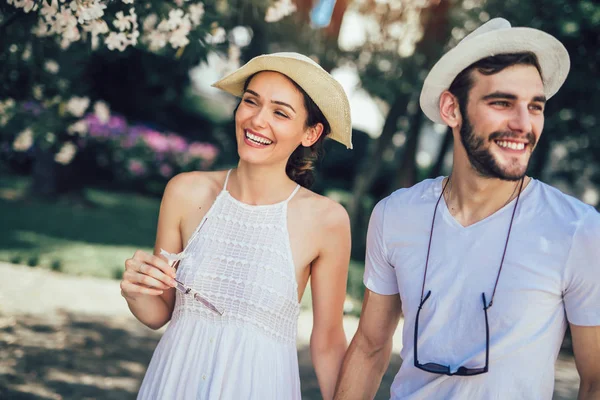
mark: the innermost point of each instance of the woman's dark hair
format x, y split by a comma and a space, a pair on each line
462, 84
300, 165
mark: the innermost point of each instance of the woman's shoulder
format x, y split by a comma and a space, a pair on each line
193, 184
328, 213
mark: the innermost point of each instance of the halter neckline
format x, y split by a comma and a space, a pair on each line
296, 189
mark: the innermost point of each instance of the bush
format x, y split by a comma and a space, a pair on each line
56, 265
105, 147
33, 261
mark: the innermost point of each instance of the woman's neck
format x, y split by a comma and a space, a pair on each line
259, 185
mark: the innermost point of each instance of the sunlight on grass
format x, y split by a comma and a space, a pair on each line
91, 239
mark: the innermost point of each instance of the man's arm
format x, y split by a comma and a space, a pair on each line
586, 346
368, 356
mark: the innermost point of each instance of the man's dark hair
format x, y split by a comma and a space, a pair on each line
462, 84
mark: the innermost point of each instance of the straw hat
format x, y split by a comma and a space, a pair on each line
325, 91
493, 38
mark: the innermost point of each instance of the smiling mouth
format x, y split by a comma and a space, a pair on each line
505, 144
257, 139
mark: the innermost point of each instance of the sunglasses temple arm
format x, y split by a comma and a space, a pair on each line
487, 333
417, 327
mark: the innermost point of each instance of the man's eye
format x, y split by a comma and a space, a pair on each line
500, 103
537, 108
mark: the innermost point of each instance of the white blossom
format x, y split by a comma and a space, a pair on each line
218, 35
102, 111
122, 22
23, 141
175, 19
77, 106
50, 137
127, 1
51, 66
80, 127
27, 52
279, 10
38, 92
66, 153
6, 108
150, 22
196, 13
49, 9
90, 10
157, 40
116, 41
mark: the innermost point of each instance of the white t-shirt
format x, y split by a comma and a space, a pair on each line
551, 275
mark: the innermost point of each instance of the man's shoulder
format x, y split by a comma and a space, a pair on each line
564, 206
410, 201
422, 192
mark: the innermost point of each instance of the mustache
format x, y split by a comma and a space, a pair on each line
512, 135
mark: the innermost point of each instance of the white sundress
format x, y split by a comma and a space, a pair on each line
240, 259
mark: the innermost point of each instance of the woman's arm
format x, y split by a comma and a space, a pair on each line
147, 283
329, 274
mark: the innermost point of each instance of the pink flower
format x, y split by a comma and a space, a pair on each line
177, 143
166, 170
156, 141
205, 151
136, 167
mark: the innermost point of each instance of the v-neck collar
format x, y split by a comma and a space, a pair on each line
443, 207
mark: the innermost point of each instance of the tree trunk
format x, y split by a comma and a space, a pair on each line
44, 183
406, 175
436, 30
369, 171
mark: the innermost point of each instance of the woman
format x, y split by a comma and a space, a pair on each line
248, 240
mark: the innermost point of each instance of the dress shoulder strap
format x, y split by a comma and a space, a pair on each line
293, 193
226, 180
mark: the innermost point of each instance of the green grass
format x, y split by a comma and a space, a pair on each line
92, 239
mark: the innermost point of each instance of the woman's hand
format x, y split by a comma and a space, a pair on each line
146, 274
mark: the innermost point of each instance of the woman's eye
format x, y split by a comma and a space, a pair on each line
249, 101
281, 114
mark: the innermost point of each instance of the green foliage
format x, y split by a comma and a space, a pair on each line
33, 261
56, 265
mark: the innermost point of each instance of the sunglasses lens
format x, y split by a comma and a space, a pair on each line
436, 368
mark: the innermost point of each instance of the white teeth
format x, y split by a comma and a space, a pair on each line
258, 139
510, 145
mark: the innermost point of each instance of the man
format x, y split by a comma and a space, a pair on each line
488, 265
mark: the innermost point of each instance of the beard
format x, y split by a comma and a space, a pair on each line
482, 159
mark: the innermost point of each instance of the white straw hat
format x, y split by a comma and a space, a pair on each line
493, 38
325, 91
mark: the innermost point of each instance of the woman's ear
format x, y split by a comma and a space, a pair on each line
450, 110
312, 134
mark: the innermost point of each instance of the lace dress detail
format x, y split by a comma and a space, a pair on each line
240, 259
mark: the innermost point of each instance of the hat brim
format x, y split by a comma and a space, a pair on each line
552, 56
322, 88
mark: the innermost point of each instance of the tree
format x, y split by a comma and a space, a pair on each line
55, 55
396, 66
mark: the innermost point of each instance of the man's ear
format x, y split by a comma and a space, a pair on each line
450, 110
312, 134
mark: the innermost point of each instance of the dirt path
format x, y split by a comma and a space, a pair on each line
68, 337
